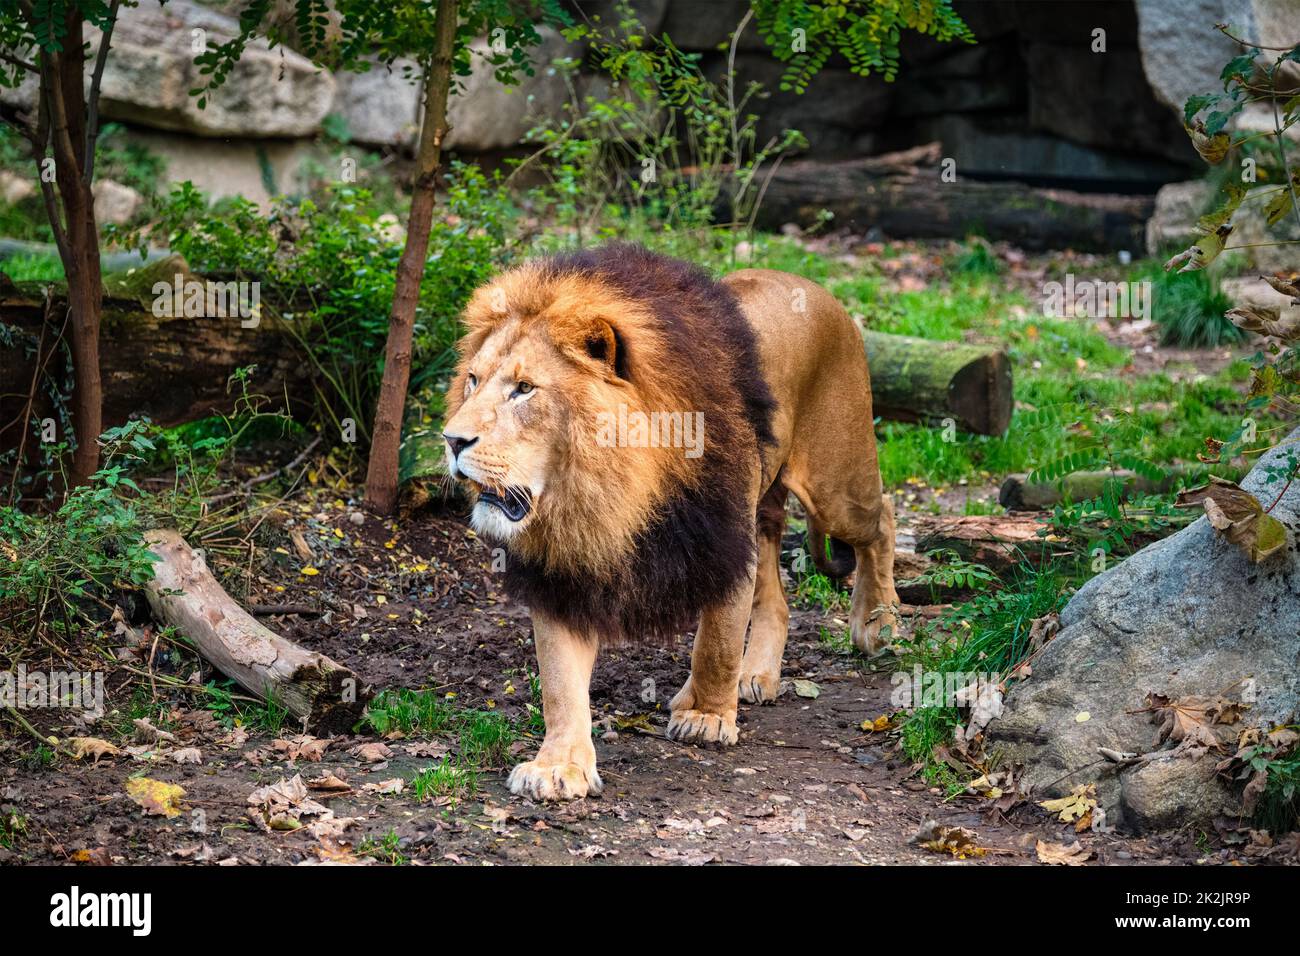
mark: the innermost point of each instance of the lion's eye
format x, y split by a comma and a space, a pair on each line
472, 381
523, 388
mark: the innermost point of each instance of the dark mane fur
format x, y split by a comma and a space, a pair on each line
699, 547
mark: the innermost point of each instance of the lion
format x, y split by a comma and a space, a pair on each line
628, 429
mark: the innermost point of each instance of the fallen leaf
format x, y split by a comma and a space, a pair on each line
806, 688
1238, 515
187, 755
1076, 805
156, 797
956, 841
1058, 854
92, 747
372, 752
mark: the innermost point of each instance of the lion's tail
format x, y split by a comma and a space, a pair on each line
831, 556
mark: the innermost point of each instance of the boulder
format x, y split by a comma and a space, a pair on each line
1000, 146
254, 169
114, 202
1182, 53
270, 93
1187, 616
382, 105
838, 113
603, 13
486, 114
1178, 206
150, 72
708, 26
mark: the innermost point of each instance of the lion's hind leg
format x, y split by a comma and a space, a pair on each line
843, 499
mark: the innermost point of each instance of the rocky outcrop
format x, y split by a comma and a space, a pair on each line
1187, 616
151, 70
487, 115
271, 93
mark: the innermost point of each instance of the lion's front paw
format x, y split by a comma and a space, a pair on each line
564, 780
701, 727
759, 688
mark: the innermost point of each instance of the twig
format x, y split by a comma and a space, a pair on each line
263, 478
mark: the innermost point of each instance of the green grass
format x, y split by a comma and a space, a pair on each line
482, 737
452, 778
28, 267
13, 829
1054, 361
231, 708
986, 635
388, 849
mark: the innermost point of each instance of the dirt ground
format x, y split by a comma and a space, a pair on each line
415, 604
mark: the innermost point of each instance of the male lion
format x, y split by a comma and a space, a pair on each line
574, 420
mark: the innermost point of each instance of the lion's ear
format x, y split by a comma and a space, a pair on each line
599, 341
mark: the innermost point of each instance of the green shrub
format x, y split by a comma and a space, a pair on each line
1189, 308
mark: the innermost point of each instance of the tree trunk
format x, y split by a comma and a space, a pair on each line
64, 123
902, 196
920, 380
386, 438
310, 686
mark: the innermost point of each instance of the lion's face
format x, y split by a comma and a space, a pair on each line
506, 437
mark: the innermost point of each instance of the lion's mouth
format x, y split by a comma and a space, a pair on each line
514, 503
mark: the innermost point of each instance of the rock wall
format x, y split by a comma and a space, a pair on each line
1032, 101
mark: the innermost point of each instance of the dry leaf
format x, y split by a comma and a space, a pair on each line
1238, 516
91, 747
156, 797
372, 752
187, 755
1077, 805
1058, 854
807, 688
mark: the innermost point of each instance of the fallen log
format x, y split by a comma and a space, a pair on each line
922, 380
171, 368
902, 196
1019, 494
999, 542
322, 693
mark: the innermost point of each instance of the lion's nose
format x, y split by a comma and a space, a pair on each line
457, 444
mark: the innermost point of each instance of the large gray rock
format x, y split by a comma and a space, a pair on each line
486, 114
1179, 205
382, 105
271, 93
150, 72
1189, 615
1126, 117
254, 169
1182, 53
